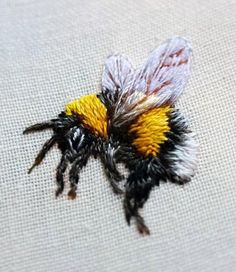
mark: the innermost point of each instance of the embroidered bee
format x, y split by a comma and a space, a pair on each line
132, 121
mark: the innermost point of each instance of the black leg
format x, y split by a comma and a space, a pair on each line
46, 147
131, 210
177, 180
144, 175
113, 176
61, 168
76, 167
135, 197
39, 127
111, 171
115, 187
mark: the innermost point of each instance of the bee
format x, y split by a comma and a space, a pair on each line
132, 121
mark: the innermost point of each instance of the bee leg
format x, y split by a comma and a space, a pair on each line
46, 147
115, 187
76, 167
111, 170
113, 176
178, 180
131, 208
61, 168
137, 193
39, 127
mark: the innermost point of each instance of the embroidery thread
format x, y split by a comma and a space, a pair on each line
132, 121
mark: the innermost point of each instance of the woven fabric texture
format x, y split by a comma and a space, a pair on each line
52, 52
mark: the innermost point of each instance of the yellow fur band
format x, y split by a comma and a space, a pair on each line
91, 112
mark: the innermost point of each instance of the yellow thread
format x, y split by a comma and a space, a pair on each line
150, 130
92, 113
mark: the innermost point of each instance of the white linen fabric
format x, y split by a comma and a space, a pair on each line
52, 52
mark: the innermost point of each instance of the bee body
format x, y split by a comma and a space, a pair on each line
132, 121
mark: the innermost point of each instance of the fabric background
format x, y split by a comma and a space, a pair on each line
52, 52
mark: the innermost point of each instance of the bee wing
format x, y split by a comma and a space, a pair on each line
160, 81
166, 71
117, 73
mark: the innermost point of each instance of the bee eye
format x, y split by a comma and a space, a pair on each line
77, 138
76, 134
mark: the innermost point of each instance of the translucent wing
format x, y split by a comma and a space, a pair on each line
160, 81
116, 75
166, 70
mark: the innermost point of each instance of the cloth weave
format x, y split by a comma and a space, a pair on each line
52, 52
